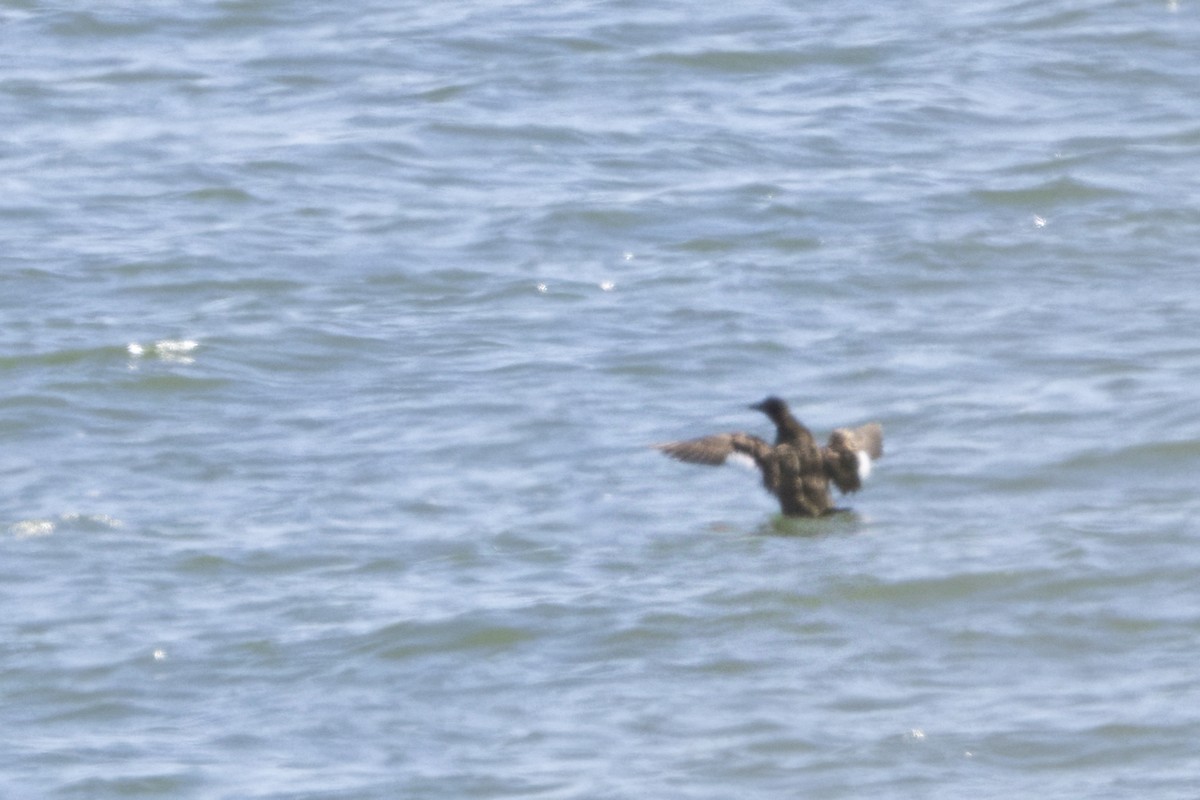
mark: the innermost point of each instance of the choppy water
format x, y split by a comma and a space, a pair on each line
332, 340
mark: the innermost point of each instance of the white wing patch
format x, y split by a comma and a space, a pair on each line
741, 459
864, 465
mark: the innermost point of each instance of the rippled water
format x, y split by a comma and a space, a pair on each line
333, 340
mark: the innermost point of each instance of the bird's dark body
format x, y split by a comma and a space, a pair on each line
794, 469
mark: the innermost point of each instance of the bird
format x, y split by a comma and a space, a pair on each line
794, 468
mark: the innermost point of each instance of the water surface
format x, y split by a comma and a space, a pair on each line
333, 340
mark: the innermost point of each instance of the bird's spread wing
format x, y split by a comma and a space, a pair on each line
716, 449
849, 455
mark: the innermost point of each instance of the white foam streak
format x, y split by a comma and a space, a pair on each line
166, 349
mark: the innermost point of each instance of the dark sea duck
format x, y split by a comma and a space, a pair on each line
794, 469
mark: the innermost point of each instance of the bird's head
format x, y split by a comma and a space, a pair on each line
773, 407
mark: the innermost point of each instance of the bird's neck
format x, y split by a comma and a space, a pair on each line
788, 429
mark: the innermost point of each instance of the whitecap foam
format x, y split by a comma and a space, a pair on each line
165, 349
30, 528
175, 345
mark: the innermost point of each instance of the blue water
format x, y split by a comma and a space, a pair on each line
333, 341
